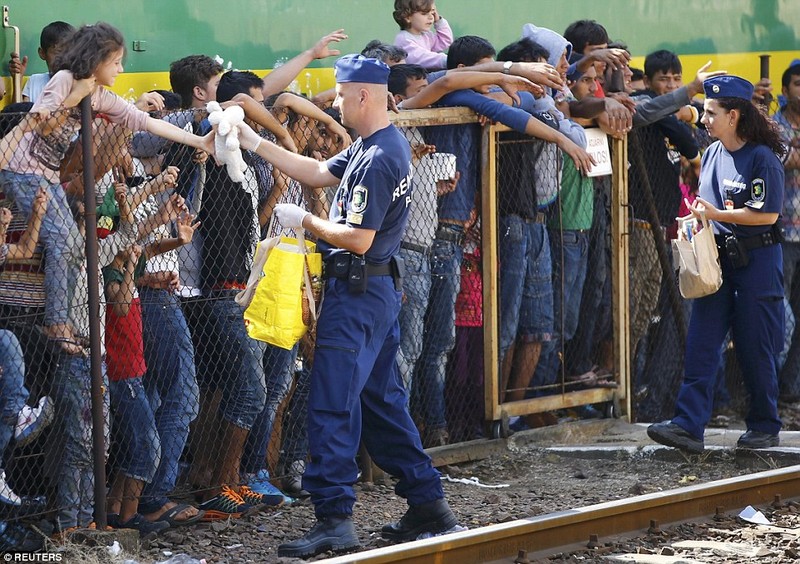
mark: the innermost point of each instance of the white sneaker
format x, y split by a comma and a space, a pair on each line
32, 421
7, 496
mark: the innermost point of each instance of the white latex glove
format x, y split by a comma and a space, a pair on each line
290, 216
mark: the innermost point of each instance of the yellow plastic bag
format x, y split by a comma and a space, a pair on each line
275, 314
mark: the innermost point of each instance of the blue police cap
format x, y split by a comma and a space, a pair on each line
358, 68
728, 86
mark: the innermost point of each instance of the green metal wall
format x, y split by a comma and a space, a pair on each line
255, 33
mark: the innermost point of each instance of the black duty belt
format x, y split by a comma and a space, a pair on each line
334, 267
771, 237
416, 248
448, 233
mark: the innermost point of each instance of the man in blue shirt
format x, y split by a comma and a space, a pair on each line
356, 391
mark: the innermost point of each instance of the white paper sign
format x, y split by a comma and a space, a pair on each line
597, 147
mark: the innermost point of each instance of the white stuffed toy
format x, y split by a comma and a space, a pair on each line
226, 141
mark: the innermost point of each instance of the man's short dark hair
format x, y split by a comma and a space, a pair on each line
171, 100
585, 32
399, 75
237, 82
468, 50
11, 115
191, 71
389, 54
661, 60
793, 70
54, 33
636, 74
525, 50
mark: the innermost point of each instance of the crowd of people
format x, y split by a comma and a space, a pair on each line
395, 361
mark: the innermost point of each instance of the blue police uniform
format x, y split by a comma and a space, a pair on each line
356, 392
750, 301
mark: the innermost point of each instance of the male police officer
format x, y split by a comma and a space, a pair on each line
356, 392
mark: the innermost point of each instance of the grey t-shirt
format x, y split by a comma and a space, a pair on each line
422, 216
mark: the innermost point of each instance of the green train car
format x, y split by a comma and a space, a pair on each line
258, 34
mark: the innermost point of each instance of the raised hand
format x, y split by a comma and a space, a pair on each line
322, 49
512, 84
17, 65
150, 102
168, 178
613, 58
5, 219
540, 73
185, 227
40, 202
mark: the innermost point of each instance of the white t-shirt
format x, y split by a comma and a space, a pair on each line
36, 83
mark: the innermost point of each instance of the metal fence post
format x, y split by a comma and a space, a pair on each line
90, 215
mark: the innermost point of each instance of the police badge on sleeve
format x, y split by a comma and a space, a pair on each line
757, 194
358, 203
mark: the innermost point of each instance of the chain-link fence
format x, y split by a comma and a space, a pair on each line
510, 308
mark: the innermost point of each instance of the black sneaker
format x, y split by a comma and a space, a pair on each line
757, 439
14, 506
433, 517
15, 537
672, 435
331, 533
226, 505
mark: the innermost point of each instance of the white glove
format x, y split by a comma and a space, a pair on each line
290, 216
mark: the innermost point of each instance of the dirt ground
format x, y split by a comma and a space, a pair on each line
528, 481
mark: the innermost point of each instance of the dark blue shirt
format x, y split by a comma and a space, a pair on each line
464, 142
750, 177
374, 192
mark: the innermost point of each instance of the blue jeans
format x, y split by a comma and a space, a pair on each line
416, 291
295, 427
239, 365
139, 449
171, 387
59, 235
13, 394
439, 337
278, 373
71, 455
596, 301
570, 252
526, 290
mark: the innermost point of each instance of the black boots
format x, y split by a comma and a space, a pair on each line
331, 533
433, 517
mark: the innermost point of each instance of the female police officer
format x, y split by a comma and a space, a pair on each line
356, 392
741, 193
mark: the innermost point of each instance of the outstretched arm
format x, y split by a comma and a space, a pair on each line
263, 117
303, 169
305, 107
278, 79
467, 80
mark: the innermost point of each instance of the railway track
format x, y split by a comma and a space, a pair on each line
566, 530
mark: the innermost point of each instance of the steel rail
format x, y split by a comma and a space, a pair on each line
552, 533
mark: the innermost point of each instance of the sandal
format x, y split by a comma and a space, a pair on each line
170, 516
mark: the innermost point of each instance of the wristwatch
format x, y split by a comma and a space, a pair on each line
507, 67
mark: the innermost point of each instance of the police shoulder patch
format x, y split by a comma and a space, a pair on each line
358, 201
757, 191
